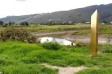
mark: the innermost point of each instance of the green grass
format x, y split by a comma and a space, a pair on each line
24, 58
26, 69
97, 70
12, 54
53, 28
81, 29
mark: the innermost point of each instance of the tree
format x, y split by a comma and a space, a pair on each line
105, 21
24, 23
1, 23
5, 25
11, 23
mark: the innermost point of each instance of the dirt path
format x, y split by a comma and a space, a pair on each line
66, 70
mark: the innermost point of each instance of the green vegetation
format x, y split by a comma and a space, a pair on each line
26, 69
12, 58
48, 28
80, 29
97, 70
51, 46
17, 34
24, 58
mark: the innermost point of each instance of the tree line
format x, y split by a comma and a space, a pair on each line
24, 23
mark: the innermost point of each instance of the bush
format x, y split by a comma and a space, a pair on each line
107, 49
17, 34
24, 23
31, 39
79, 44
51, 46
1, 23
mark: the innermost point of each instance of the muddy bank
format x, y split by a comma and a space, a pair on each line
69, 35
101, 40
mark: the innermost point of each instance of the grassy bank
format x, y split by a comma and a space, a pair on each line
24, 58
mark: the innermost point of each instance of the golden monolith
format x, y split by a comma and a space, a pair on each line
94, 33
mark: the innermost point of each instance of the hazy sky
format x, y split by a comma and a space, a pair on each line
24, 7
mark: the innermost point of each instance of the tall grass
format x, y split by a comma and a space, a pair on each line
24, 58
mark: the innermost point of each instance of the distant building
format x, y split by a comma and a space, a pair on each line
57, 40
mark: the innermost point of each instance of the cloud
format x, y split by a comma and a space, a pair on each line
24, 7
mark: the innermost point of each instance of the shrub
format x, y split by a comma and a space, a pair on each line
107, 49
79, 44
24, 23
31, 39
1, 23
17, 34
51, 46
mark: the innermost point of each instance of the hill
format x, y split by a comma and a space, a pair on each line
71, 16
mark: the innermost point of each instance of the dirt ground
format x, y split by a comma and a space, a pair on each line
74, 38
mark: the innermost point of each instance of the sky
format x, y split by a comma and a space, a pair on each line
25, 7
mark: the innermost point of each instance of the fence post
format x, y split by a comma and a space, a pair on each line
94, 33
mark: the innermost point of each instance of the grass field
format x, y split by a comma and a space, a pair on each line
82, 29
24, 58
49, 28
